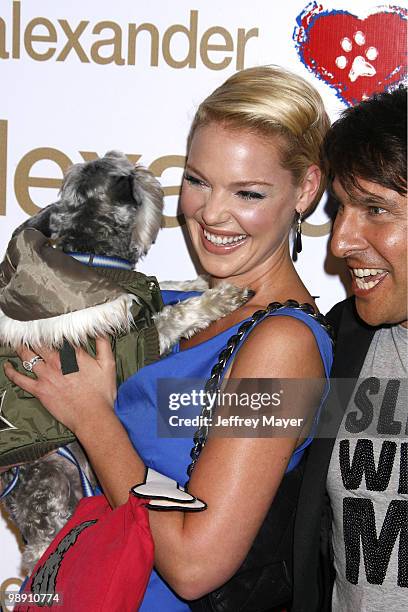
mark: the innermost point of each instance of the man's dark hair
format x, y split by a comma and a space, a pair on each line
369, 142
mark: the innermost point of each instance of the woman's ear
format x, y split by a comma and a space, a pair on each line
308, 188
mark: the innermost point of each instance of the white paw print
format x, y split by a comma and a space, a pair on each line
360, 66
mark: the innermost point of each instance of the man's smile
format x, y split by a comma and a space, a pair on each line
365, 279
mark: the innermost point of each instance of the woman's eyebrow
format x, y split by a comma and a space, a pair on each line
193, 169
251, 182
234, 184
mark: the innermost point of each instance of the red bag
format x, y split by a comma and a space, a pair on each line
99, 562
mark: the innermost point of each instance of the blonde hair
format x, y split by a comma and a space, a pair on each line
272, 101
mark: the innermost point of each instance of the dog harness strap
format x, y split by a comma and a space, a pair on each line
96, 261
8, 489
86, 485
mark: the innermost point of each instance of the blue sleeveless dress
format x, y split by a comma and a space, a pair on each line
136, 407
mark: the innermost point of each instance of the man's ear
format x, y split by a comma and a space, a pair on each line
308, 188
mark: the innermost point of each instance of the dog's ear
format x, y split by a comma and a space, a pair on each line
118, 155
39, 221
148, 193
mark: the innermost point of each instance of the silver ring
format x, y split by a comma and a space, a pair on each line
28, 365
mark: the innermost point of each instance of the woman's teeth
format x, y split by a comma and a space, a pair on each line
360, 273
223, 239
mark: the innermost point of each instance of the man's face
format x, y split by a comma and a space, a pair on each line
370, 233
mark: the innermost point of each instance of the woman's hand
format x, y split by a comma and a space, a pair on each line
73, 399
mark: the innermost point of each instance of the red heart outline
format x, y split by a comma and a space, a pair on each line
319, 36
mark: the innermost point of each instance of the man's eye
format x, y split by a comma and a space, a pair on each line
375, 211
193, 180
251, 195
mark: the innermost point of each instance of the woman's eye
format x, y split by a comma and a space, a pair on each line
251, 195
193, 180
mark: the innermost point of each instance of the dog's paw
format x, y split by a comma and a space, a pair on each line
188, 317
198, 284
225, 298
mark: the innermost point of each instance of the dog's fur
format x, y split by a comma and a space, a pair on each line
106, 207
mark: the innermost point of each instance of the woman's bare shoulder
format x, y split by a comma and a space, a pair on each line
279, 346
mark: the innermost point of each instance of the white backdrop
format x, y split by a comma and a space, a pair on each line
66, 97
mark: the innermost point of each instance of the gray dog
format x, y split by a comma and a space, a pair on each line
112, 209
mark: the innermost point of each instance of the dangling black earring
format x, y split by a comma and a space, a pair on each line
298, 241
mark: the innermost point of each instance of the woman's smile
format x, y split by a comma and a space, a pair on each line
222, 243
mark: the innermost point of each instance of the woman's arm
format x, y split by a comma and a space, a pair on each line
236, 477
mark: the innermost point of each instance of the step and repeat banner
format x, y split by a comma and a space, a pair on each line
80, 78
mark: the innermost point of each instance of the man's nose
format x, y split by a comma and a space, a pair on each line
348, 234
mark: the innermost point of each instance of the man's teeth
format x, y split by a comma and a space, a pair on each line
362, 285
360, 273
223, 239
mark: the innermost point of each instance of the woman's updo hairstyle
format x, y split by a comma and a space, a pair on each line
272, 101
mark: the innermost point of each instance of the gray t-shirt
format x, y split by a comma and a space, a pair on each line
368, 483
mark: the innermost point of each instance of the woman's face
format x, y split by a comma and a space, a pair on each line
238, 201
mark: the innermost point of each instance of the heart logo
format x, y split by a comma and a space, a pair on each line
356, 56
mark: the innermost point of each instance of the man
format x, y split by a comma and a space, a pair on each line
351, 533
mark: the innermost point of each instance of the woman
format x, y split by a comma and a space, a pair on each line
252, 169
